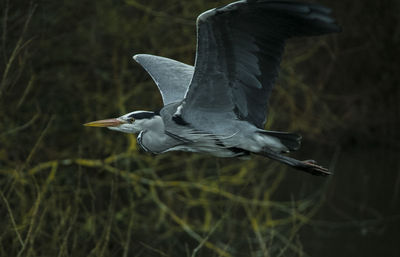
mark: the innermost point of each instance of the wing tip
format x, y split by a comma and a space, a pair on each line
138, 57
205, 15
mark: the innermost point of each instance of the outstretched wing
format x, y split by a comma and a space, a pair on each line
172, 77
239, 49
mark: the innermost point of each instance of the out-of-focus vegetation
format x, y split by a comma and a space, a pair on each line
66, 190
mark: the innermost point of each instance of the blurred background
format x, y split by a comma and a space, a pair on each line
68, 190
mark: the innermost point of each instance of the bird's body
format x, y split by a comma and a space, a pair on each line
219, 106
235, 138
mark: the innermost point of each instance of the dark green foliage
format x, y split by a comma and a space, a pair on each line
67, 190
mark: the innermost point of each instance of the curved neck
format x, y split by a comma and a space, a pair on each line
153, 138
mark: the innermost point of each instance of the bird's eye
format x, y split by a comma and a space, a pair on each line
131, 120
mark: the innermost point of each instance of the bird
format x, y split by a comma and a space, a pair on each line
219, 105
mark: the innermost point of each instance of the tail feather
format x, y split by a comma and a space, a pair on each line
291, 140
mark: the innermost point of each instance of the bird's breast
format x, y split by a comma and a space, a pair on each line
155, 142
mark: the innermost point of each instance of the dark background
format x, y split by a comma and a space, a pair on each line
67, 190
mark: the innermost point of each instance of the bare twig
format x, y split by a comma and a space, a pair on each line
12, 219
19, 45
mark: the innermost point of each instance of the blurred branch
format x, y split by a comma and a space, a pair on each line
4, 35
10, 213
18, 47
148, 10
22, 127
26, 91
104, 164
39, 140
186, 227
33, 214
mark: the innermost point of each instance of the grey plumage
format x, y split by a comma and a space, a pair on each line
171, 77
239, 49
219, 106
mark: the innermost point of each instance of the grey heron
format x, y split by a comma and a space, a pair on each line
219, 106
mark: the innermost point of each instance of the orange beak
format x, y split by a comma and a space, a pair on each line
104, 123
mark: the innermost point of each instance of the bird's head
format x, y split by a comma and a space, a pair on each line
132, 122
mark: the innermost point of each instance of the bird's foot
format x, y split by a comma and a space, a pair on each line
310, 161
312, 167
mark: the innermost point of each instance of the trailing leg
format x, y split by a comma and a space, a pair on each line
308, 166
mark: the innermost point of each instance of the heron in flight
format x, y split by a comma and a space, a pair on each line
219, 106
